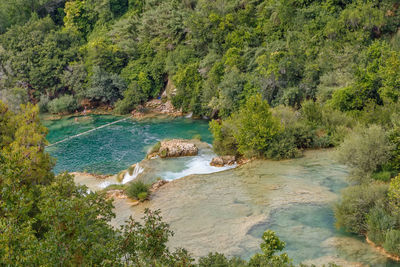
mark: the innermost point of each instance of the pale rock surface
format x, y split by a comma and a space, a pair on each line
222, 161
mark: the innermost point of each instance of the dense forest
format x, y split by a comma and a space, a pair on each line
276, 77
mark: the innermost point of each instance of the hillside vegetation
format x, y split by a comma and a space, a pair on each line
277, 77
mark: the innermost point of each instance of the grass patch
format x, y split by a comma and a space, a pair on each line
197, 137
155, 148
383, 176
138, 190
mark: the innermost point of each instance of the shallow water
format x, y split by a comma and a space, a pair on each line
226, 211
113, 148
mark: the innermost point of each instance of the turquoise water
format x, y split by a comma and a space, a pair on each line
113, 148
211, 203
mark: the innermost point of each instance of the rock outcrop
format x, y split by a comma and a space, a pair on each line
155, 186
222, 161
175, 148
156, 106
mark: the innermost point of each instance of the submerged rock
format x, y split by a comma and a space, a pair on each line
175, 148
222, 161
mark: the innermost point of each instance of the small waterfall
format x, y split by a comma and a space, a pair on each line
189, 116
127, 178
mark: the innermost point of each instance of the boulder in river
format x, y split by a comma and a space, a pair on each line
222, 161
175, 148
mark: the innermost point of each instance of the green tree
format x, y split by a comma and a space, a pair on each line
270, 246
104, 87
257, 128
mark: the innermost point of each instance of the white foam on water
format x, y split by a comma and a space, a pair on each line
196, 165
105, 184
127, 177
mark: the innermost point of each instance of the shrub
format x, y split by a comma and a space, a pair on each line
138, 190
218, 259
224, 143
394, 193
256, 127
142, 196
105, 87
133, 96
379, 221
44, 101
63, 104
364, 151
357, 201
383, 176
197, 137
283, 148
312, 112
392, 242
155, 148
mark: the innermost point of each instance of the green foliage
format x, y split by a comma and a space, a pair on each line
394, 194
379, 221
270, 246
155, 148
104, 87
188, 84
63, 104
138, 190
197, 137
392, 241
79, 16
224, 143
14, 97
256, 127
365, 151
145, 244
133, 96
218, 259
356, 203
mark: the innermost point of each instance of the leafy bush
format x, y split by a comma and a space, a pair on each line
218, 259
14, 97
394, 194
197, 137
255, 127
379, 222
365, 150
133, 96
154, 148
283, 147
312, 112
43, 103
392, 241
224, 143
105, 87
356, 203
63, 104
138, 190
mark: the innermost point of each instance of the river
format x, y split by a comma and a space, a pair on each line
224, 210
